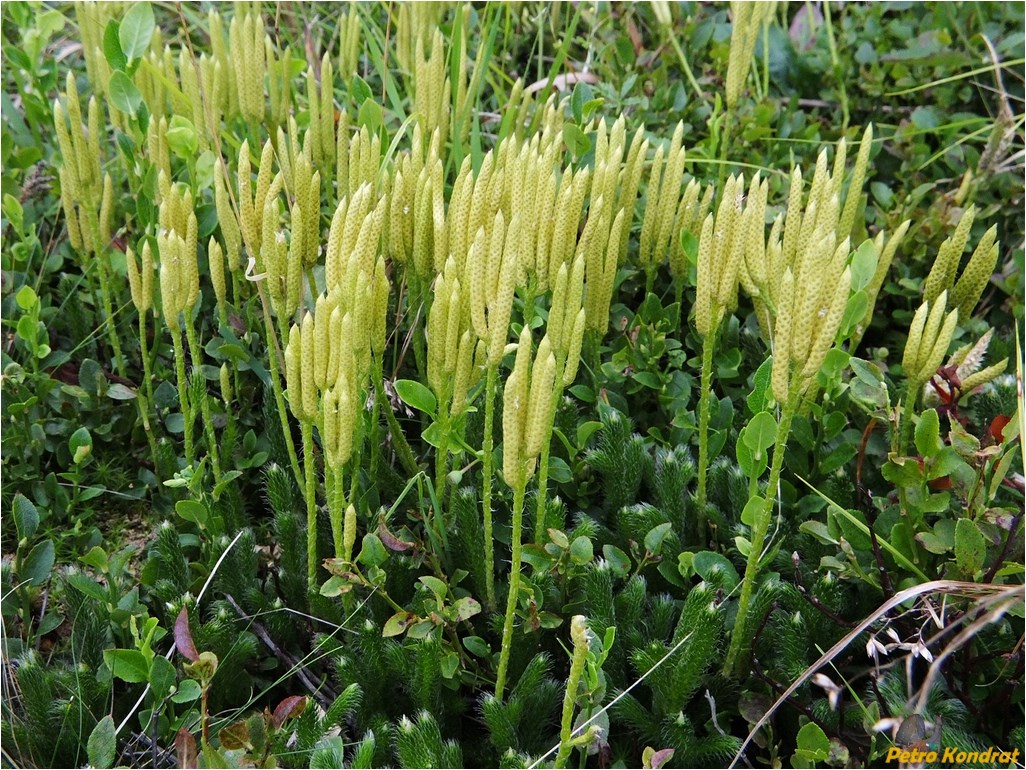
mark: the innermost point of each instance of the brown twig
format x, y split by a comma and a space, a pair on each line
317, 692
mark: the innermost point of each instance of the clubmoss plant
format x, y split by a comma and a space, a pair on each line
812, 300
720, 251
526, 422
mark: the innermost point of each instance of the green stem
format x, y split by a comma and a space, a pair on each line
402, 448
566, 727
514, 584
279, 397
108, 306
737, 655
838, 71
708, 348
908, 412
725, 137
183, 394
337, 512
375, 425
147, 394
684, 64
196, 353
543, 471
491, 379
442, 455
311, 504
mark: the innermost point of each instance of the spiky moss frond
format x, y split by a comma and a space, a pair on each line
277, 448
672, 472
418, 743
597, 590
90, 630
701, 622
663, 615
555, 514
728, 489
619, 458
469, 537
170, 559
502, 718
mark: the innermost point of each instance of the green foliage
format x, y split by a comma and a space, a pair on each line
154, 463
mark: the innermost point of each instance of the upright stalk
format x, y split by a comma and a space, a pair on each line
337, 512
491, 378
147, 391
514, 585
309, 491
737, 654
708, 347
543, 475
195, 351
279, 397
183, 395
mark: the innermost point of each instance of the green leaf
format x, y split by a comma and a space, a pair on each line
188, 691
181, 137
26, 297
760, 396
655, 537
96, 558
689, 242
193, 511
466, 608
585, 431
416, 395
112, 46
123, 93
618, 561
434, 434
761, 432
813, 746
581, 551
477, 646
716, 569
576, 141
371, 115
928, 441
136, 31
38, 564
398, 623
448, 664
753, 509
26, 516
854, 312
127, 665
120, 392
87, 585
436, 586
863, 265
372, 551
970, 547
582, 93
162, 677
80, 445
102, 744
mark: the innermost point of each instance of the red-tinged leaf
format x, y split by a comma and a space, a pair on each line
292, 706
997, 427
183, 636
654, 760
185, 750
391, 542
235, 736
944, 482
398, 623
